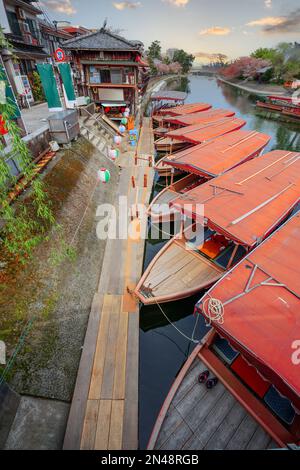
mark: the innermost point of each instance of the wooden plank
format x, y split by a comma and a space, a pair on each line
243, 434
222, 436
74, 428
116, 425
90, 425
111, 350
130, 432
120, 368
103, 425
98, 366
260, 440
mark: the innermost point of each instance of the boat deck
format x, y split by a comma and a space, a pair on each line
104, 409
176, 272
201, 419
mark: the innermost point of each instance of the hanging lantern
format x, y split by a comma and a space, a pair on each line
126, 114
122, 128
103, 175
117, 139
113, 154
127, 110
124, 121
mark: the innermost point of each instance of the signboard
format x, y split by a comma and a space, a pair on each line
27, 89
59, 55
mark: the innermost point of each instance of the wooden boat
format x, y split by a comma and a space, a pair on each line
249, 350
167, 98
160, 131
159, 209
166, 144
241, 208
186, 109
199, 133
283, 105
211, 115
192, 135
204, 162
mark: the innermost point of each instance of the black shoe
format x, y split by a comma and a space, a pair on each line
203, 377
211, 383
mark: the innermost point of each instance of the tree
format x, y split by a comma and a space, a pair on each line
245, 67
154, 51
184, 59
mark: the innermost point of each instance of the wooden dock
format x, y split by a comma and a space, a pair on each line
104, 410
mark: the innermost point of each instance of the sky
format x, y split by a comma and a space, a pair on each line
202, 27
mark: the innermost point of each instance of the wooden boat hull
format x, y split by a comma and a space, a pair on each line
168, 145
164, 169
215, 417
168, 194
176, 273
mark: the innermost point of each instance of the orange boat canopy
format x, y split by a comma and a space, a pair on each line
198, 118
261, 308
203, 132
247, 203
186, 109
217, 156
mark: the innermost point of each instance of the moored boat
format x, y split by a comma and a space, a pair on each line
281, 104
249, 358
205, 161
238, 210
197, 134
198, 118
186, 109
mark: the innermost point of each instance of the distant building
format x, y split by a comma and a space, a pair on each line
107, 69
70, 29
24, 34
170, 54
52, 37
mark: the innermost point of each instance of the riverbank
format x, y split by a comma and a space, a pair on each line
256, 88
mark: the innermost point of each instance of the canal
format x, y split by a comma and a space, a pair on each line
164, 347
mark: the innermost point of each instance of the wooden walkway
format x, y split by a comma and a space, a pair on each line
104, 410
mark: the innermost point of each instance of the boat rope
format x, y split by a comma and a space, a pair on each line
160, 229
213, 309
191, 339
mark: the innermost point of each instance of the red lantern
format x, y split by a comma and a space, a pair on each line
3, 130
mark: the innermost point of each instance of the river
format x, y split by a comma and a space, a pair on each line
165, 347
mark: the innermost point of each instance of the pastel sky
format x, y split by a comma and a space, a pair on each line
202, 27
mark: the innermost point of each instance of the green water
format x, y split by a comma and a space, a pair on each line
163, 350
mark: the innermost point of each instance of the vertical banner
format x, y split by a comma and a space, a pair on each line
10, 97
50, 87
68, 87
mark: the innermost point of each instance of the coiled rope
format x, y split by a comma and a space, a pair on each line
213, 309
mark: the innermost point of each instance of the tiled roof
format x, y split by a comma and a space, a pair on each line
103, 40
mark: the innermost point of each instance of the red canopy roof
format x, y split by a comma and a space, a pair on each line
219, 155
186, 109
248, 202
264, 323
203, 132
202, 117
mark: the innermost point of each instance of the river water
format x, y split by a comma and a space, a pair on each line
165, 347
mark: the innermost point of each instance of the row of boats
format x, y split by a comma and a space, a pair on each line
247, 255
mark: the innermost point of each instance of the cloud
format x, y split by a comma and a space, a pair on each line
268, 3
267, 21
209, 55
64, 6
215, 31
288, 24
126, 5
177, 3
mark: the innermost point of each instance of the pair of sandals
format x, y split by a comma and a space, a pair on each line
204, 379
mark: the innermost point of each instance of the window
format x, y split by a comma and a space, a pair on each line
14, 23
33, 28
105, 76
116, 76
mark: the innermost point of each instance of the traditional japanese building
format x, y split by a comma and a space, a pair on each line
107, 69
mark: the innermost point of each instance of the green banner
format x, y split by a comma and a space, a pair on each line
65, 73
10, 97
49, 86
